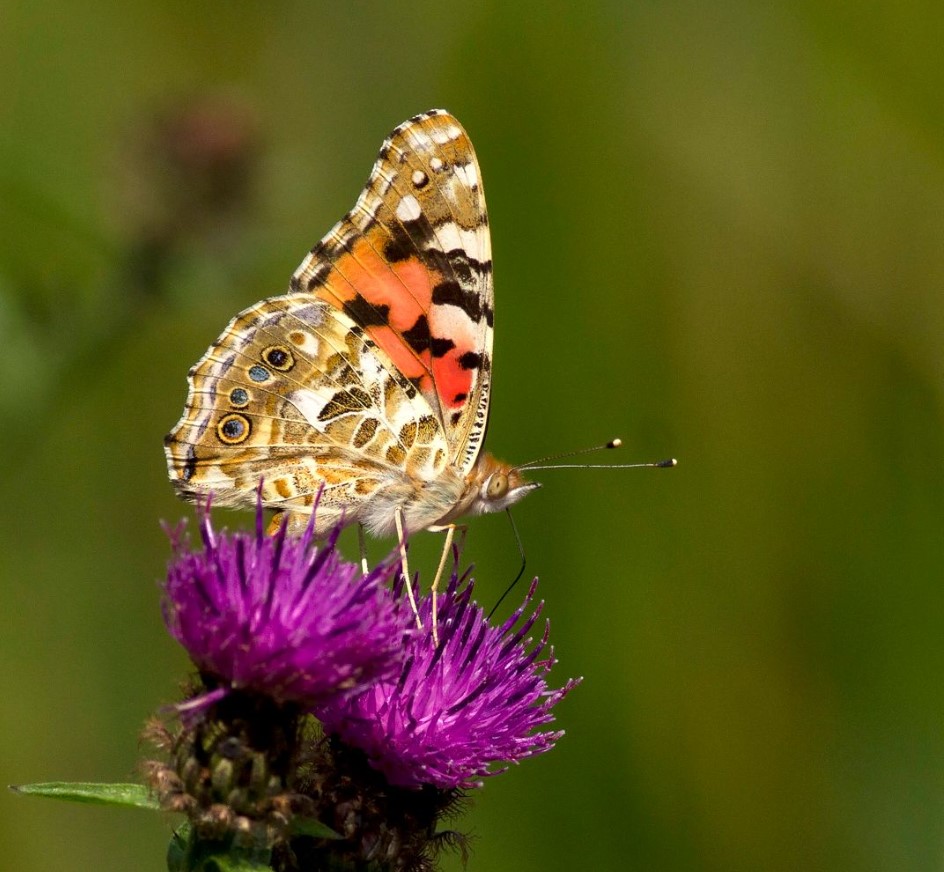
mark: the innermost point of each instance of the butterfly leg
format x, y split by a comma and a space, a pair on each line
450, 532
398, 519
363, 547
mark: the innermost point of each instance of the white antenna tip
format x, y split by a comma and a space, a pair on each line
666, 463
614, 443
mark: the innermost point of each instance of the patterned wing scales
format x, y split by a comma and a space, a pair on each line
411, 263
294, 394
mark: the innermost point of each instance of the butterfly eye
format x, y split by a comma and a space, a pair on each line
497, 486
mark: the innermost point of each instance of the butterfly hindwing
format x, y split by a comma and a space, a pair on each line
294, 394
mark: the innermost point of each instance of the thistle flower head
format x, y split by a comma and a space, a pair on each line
460, 711
280, 616
284, 633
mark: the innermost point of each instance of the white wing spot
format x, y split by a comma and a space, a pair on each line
447, 134
310, 404
305, 341
451, 236
408, 209
435, 164
420, 178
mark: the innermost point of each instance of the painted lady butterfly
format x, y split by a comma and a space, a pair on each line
369, 380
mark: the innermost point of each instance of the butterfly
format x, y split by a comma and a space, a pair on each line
365, 388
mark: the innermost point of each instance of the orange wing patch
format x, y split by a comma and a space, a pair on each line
392, 301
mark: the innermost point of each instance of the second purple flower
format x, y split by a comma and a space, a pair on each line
459, 711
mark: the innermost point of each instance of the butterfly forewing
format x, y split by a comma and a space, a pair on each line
411, 263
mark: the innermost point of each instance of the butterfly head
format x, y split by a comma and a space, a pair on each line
496, 486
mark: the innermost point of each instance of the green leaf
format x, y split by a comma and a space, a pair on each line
189, 853
128, 795
302, 826
230, 863
201, 857
177, 849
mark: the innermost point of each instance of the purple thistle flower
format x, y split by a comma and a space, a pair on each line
455, 713
280, 616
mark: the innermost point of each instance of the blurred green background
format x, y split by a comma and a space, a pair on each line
717, 232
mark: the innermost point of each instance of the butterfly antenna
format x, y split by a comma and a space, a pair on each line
546, 462
524, 563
